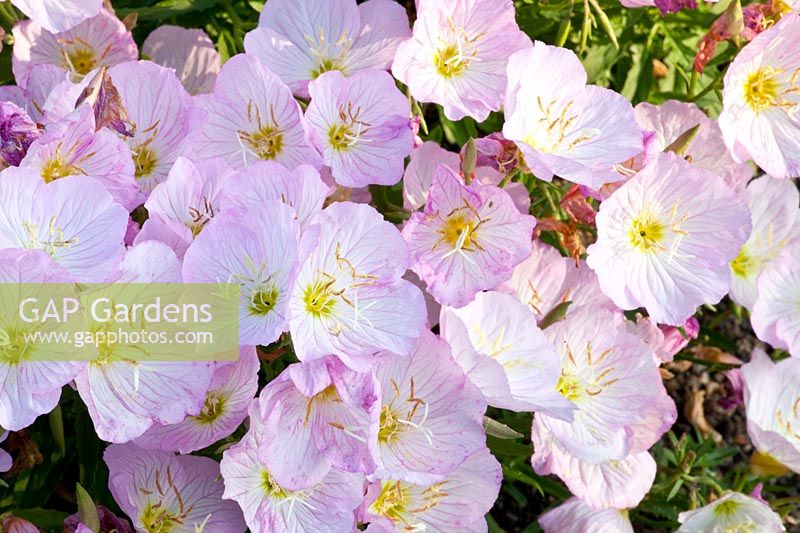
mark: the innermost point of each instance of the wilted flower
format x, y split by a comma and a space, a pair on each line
17, 132
664, 238
361, 125
458, 54
760, 106
301, 40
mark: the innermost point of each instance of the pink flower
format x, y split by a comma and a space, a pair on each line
575, 515
458, 54
349, 298
74, 220
496, 342
759, 118
261, 255
468, 238
361, 125
665, 237
458, 503
563, 126
167, 120
59, 15
252, 116
771, 392
546, 279
317, 416
156, 488
732, 511
28, 388
430, 415
302, 189
707, 149
72, 147
97, 41
233, 386
301, 40
189, 51
775, 318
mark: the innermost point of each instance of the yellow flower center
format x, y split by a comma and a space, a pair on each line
569, 387
341, 137
213, 408
391, 502
263, 301
458, 231
646, 232
761, 89
80, 60
449, 61
12, 346
156, 519
326, 64
742, 264
144, 160
319, 298
56, 168
726, 508
267, 142
271, 486
389, 425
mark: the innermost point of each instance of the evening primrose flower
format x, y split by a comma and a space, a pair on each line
189, 51
458, 54
761, 100
167, 120
233, 386
775, 215
706, 149
575, 515
665, 237
95, 42
610, 375
59, 15
732, 512
267, 506
161, 491
362, 126
191, 193
299, 40
258, 250
302, 189
468, 238
496, 342
459, 502
74, 220
772, 400
253, 116
775, 318
349, 298
72, 147
563, 126
430, 415
27, 388
317, 417
17, 132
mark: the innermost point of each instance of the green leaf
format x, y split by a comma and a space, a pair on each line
56, 419
168, 8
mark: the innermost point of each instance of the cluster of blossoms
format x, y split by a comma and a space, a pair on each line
242, 169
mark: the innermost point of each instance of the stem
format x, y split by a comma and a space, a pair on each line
710, 87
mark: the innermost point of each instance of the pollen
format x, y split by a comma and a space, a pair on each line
450, 62
263, 301
144, 160
458, 231
761, 89
319, 298
213, 408
267, 143
80, 60
646, 232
